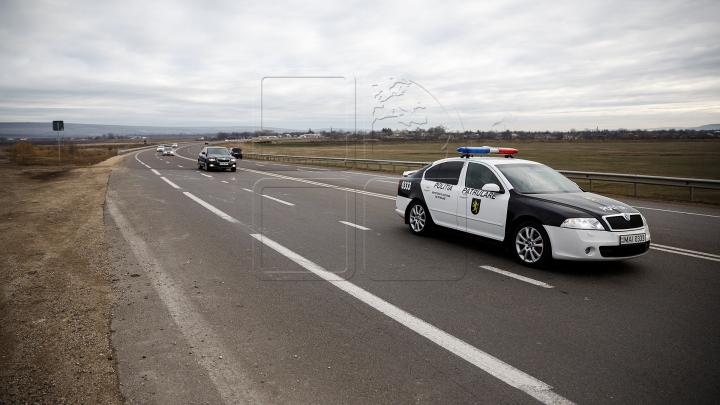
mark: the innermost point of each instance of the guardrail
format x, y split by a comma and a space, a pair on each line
640, 179
692, 184
337, 161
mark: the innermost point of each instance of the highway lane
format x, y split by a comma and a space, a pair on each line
601, 335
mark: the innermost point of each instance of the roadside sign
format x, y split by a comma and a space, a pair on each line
58, 126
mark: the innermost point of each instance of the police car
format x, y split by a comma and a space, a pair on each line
538, 212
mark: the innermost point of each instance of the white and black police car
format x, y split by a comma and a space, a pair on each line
538, 212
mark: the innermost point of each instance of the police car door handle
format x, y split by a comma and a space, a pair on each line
463, 195
427, 188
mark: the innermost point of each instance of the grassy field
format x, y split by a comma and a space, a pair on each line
691, 159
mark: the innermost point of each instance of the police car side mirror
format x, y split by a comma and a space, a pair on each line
493, 187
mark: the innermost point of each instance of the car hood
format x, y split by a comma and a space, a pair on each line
588, 202
212, 155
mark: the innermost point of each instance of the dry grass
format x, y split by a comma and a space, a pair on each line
71, 154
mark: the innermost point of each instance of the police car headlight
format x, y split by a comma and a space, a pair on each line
232, 160
583, 223
211, 159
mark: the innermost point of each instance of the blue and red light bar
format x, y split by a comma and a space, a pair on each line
486, 150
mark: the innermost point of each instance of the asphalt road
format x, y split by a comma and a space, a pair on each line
292, 284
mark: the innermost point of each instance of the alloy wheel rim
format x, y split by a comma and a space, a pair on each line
417, 218
529, 244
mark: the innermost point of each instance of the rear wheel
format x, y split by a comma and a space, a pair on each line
531, 244
419, 218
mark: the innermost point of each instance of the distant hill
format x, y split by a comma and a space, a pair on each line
711, 127
44, 130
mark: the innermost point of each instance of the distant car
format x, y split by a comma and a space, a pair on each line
215, 157
160, 148
174, 145
168, 151
237, 152
539, 213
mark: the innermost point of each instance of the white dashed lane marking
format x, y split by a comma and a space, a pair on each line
278, 200
517, 277
355, 225
170, 182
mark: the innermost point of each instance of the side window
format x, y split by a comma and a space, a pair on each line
479, 175
450, 172
431, 173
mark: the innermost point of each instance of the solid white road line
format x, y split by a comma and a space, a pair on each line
247, 189
227, 376
685, 250
155, 171
278, 200
699, 256
678, 212
278, 164
315, 183
517, 276
206, 175
213, 209
386, 181
170, 182
493, 366
355, 225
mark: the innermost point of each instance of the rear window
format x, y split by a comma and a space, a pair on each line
448, 172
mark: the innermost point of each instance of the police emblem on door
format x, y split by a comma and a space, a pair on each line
475, 206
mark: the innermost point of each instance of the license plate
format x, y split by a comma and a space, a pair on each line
630, 239
223, 164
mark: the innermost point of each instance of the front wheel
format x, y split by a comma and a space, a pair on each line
233, 169
531, 244
419, 219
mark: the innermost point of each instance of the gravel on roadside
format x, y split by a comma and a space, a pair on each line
56, 293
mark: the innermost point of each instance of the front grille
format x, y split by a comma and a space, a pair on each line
619, 223
624, 250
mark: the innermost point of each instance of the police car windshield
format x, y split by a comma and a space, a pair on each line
537, 179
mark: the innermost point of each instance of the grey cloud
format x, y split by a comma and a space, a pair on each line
549, 64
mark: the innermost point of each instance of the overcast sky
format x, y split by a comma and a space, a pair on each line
522, 65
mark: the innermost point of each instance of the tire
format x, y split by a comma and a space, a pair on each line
531, 245
199, 165
233, 169
207, 168
419, 218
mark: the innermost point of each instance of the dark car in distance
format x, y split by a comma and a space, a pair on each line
215, 157
236, 152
